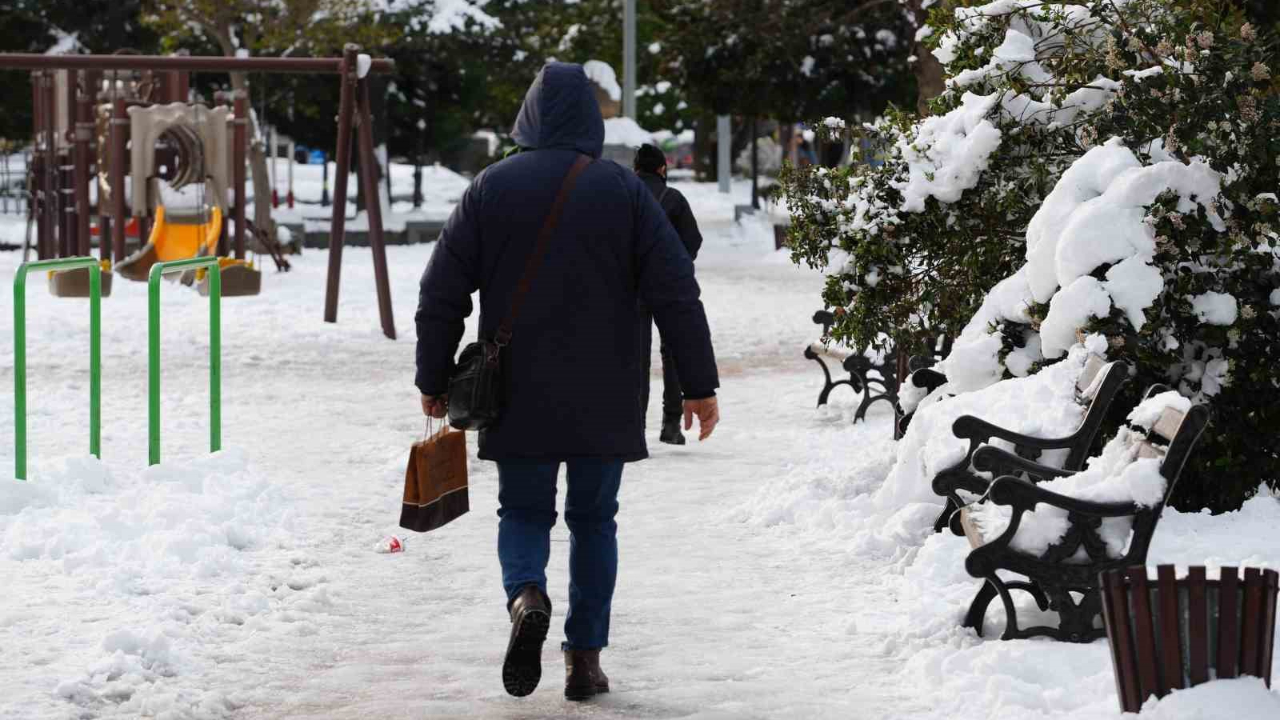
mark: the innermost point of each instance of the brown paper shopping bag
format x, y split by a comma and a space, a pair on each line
435, 483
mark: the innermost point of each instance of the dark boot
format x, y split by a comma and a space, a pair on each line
530, 618
671, 434
583, 677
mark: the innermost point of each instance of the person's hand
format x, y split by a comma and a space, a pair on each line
436, 406
708, 412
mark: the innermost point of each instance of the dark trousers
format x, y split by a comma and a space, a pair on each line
672, 398
527, 508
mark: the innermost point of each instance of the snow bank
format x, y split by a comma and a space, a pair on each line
625, 131
171, 559
1043, 405
1247, 697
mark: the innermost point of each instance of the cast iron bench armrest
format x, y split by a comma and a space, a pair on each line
979, 431
826, 319
1023, 496
928, 379
999, 461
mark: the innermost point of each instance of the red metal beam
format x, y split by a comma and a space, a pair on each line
27, 61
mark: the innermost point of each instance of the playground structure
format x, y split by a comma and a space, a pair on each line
102, 118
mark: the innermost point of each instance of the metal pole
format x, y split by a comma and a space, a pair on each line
373, 206
629, 59
240, 138
153, 369
20, 354
215, 357
212, 265
346, 112
724, 138
49, 176
83, 135
119, 137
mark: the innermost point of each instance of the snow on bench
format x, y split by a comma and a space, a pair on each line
995, 451
1061, 533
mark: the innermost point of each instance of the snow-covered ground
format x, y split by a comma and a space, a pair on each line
758, 578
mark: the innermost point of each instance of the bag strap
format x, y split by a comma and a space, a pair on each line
503, 338
663, 195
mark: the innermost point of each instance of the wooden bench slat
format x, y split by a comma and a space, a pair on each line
972, 532
1168, 423
1115, 605
1171, 646
1198, 624
1249, 631
1228, 647
1271, 579
1145, 640
1092, 366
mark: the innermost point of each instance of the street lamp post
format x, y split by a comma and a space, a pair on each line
629, 59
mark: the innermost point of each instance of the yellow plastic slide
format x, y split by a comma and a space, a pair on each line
173, 241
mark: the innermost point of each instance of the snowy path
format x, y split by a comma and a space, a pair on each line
299, 617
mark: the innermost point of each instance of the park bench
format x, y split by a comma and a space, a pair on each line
1065, 576
1096, 388
876, 379
922, 375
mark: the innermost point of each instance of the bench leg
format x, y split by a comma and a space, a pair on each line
1042, 601
868, 400
827, 383
948, 519
1011, 630
978, 608
1076, 620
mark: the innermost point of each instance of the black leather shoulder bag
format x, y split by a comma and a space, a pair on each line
475, 390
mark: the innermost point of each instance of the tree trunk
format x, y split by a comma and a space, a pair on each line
786, 131
927, 69
755, 165
704, 148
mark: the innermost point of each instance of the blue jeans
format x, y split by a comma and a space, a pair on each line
527, 508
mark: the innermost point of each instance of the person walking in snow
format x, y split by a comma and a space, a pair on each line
568, 374
651, 166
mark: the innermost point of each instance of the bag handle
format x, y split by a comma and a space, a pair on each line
503, 338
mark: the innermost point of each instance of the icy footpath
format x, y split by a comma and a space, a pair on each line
165, 572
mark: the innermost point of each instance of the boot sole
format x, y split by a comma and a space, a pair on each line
580, 694
522, 668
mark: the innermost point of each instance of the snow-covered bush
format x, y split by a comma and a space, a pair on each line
1116, 163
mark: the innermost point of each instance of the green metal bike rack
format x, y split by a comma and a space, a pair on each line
20, 353
215, 350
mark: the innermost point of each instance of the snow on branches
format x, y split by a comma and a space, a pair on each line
1114, 162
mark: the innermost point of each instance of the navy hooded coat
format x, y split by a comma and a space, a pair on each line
570, 370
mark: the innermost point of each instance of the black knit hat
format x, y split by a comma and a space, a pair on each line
649, 159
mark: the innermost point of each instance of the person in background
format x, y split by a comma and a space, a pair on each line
651, 167
804, 150
569, 372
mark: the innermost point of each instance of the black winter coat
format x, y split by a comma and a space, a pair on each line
677, 209
571, 368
